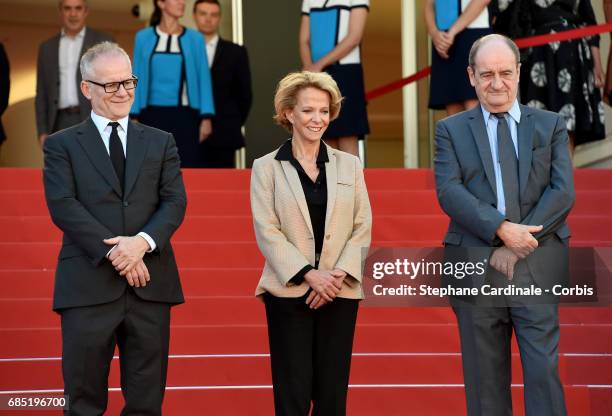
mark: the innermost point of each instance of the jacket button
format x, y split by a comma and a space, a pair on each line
126, 204
328, 236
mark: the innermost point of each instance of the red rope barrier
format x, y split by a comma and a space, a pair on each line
521, 43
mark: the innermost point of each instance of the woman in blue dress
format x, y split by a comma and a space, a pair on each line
330, 38
454, 25
174, 91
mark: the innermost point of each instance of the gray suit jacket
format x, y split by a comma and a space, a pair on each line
465, 182
86, 202
47, 79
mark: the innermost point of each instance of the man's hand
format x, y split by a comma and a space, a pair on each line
127, 253
518, 237
42, 138
323, 284
139, 275
503, 260
205, 129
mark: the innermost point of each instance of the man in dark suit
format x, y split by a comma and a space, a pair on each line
231, 81
115, 189
5, 87
59, 103
504, 177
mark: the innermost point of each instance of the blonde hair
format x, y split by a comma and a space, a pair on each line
289, 87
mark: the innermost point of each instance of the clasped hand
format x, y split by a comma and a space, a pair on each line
519, 238
126, 257
325, 286
503, 260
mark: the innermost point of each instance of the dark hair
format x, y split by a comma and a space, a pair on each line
195, 5
156, 15
485, 39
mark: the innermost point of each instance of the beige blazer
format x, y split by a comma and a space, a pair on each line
284, 232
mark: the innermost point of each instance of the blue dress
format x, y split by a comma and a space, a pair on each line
329, 21
449, 81
174, 92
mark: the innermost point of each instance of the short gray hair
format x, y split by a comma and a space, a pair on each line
481, 41
60, 2
100, 49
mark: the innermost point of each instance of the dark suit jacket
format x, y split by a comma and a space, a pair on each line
465, 183
47, 79
86, 203
5, 87
231, 82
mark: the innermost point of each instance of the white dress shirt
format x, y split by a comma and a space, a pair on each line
211, 48
105, 130
69, 53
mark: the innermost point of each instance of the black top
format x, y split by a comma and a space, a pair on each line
316, 199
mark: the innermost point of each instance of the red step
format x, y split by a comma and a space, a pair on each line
241, 339
363, 400
365, 369
27, 202
36, 312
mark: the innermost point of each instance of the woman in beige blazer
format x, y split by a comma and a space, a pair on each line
313, 223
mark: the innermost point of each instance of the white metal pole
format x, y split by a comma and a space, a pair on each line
409, 92
237, 37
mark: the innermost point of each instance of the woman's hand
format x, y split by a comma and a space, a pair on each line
313, 67
323, 283
442, 43
315, 300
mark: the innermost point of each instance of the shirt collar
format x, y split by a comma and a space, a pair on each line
102, 122
79, 35
514, 112
213, 42
285, 153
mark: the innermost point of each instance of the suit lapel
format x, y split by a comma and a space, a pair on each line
525, 144
91, 142
331, 175
296, 187
218, 53
54, 56
136, 150
477, 125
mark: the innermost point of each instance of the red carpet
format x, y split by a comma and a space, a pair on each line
406, 360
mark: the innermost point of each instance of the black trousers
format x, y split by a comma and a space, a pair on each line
184, 124
486, 334
217, 157
310, 352
140, 329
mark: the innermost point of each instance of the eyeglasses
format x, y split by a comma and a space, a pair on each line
111, 87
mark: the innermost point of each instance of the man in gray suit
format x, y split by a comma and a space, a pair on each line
504, 177
114, 188
59, 103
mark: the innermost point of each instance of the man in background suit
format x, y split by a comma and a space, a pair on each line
504, 177
231, 81
114, 187
5, 87
59, 103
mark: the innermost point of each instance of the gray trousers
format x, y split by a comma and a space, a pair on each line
65, 120
486, 333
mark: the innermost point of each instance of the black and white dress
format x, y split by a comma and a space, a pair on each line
449, 81
329, 24
559, 76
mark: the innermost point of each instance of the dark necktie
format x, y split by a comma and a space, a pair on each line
509, 168
116, 153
